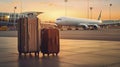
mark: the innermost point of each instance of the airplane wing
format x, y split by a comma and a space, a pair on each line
110, 23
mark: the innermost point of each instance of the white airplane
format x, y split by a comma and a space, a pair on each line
85, 23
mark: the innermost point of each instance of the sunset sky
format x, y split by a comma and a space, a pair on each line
56, 8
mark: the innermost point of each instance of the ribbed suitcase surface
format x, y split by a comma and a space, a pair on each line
28, 35
50, 41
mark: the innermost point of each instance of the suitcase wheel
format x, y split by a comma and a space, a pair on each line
25, 54
53, 54
43, 54
20, 53
48, 54
30, 53
36, 53
56, 54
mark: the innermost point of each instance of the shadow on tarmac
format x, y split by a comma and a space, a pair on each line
37, 61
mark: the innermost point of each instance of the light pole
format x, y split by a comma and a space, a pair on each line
110, 5
65, 7
14, 15
91, 8
88, 9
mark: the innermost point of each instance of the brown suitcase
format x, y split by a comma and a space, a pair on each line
50, 41
28, 35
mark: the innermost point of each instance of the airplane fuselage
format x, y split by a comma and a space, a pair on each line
76, 21
66, 21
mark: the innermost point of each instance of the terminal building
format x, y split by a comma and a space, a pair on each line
9, 20
12, 17
8, 17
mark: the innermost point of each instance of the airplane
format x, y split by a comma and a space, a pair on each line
83, 22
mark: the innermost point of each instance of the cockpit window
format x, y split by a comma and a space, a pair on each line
59, 19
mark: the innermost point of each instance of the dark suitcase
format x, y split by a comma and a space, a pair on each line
50, 41
28, 35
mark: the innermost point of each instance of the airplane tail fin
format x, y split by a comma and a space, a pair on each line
99, 17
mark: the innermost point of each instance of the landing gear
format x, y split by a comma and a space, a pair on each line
85, 28
95, 28
69, 28
76, 28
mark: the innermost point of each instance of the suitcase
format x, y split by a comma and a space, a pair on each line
28, 35
50, 41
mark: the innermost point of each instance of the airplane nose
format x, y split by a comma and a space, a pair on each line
58, 21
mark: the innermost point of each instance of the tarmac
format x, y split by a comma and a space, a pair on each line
77, 49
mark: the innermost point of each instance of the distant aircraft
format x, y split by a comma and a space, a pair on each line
85, 23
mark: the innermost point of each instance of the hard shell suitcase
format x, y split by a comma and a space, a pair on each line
50, 41
28, 35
